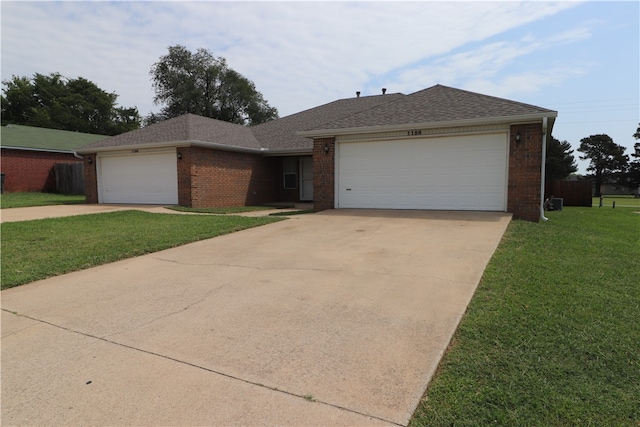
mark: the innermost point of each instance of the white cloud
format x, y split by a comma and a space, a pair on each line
299, 54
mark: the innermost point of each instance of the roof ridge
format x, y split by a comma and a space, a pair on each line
385, 104
480, 94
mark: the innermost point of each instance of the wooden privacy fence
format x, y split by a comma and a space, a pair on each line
573, 193
69, 178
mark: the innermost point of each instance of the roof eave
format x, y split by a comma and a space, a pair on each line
163, 144
290, 152
167, 144
47, 150
429, 125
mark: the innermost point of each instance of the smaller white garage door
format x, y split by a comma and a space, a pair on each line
442, 173
141, 178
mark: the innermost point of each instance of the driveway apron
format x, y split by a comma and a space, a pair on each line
335, 318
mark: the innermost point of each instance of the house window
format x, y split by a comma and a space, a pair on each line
290, 168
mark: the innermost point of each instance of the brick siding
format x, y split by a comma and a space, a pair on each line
323, 174
27, 170
525, 168
214, 178
90, 178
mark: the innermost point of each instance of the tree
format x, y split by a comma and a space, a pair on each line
69, 104
608, 161
634, 166
199, 83
560, 162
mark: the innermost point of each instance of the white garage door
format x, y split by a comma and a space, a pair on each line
144, 178
445, 173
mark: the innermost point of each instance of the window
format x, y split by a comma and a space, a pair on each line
290, 169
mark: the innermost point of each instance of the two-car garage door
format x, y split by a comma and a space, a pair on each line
442, 173
144, 178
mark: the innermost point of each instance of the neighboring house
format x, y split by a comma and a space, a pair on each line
440, 148
30, 153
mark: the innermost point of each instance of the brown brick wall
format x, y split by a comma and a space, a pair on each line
90, 178
224, 178
525, 167
27, 170
323, 174
184, 176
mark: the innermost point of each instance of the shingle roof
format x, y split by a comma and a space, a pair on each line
185, 128
435, 104
35, 138
282, 133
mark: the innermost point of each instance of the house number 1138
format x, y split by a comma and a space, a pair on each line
414, 132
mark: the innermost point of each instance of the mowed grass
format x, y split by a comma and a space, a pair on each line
33, 250
23, 200
621, 201
552, 335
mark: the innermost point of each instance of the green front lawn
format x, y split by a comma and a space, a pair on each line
552, 335
23, 200
33, 250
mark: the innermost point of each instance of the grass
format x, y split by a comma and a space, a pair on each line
289, 213
621, 201
22, 200
34, 250
222, 210
551, 337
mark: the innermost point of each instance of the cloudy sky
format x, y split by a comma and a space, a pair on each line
579, 58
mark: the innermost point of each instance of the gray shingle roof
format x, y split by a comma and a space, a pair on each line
435, 104
281, 134
188, 127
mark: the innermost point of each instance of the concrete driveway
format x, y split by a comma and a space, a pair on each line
336, 318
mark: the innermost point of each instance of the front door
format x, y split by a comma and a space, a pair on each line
306, 178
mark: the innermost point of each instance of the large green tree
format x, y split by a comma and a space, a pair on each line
55, 102
199, 83
560, 162
608, 162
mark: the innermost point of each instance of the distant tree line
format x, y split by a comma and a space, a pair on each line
184, 82
608, 164
53, 101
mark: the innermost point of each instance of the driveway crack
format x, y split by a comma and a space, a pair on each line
213, 371
171, 313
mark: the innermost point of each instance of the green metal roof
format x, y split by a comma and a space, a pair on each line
35, 138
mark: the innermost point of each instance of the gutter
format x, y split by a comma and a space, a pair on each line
46, 150
167, 144
289, 152
428, 125
543, 169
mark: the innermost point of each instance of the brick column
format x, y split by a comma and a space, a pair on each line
525, 168
184, 176
90, 178
324, 173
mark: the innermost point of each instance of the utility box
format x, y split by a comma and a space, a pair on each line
556, 203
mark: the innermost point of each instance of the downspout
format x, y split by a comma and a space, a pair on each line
75, 154
544, 159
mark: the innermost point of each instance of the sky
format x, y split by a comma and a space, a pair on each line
578, 58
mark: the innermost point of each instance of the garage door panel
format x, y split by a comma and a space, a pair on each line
452, 173
145, 178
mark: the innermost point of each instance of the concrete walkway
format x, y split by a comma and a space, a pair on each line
42, 212
336, 318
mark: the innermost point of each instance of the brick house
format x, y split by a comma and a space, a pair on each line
30, 153
440, 148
